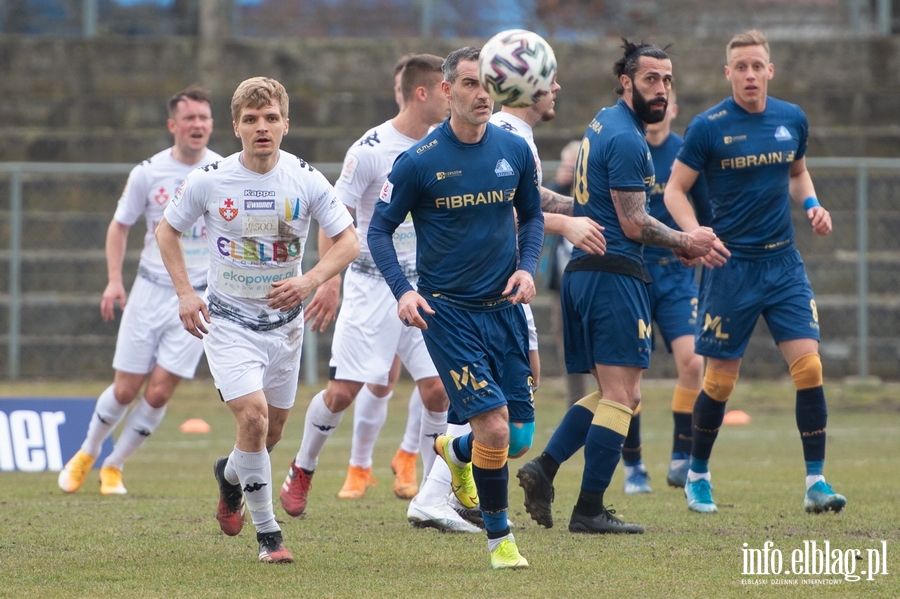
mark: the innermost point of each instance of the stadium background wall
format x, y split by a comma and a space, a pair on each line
102, 100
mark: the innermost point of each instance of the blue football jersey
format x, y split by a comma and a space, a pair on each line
461, 197
613, 155
746, 159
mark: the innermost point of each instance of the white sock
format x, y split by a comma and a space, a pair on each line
254, 470
141, 423
457, 430
813, 479
107, 414
494, 543
411, 441
369, 415
231, 474
436, 486
319, 424
695, 476
433, 424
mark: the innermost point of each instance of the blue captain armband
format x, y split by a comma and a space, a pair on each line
810, 202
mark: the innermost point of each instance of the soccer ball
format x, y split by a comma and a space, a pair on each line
517, 67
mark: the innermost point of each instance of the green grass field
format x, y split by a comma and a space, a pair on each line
162, 540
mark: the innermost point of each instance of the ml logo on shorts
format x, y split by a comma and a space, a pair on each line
465, 380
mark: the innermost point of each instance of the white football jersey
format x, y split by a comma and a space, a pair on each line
512, 123
256, 227
150, 186
366, 167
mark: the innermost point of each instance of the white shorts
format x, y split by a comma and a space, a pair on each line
151, 333
532, 330
243, 361
368, 334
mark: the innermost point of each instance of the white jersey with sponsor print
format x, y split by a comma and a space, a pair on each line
366, 167
512, 123
256, 227
150, 186
507, 121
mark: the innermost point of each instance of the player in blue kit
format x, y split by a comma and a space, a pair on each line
752, 150
472, 191
673, 307
606, 311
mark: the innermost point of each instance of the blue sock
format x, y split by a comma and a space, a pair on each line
631, 450
462, 446
699, 466
812, 416
708, 415
602, 451
570, 435
682, 436
815, 468
493, 493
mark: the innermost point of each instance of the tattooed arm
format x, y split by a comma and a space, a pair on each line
556, 203
643, 228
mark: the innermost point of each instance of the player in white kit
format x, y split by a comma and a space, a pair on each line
368, 334
257, 205
581, 231
152, 347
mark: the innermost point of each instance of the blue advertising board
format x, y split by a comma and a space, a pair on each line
41, 433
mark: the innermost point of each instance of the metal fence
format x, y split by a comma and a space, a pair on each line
854, 271
781, 19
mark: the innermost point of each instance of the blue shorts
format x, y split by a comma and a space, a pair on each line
734, 296
606, 320
673, 299
482, 359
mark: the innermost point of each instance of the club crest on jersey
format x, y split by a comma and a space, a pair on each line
228, 209
386, 191
782, 134
503, 169
161, 196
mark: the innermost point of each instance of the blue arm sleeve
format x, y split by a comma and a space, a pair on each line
531, 239
381, 246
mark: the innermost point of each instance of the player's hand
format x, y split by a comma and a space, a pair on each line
322, 309
113, 293
585, 234
408, 310
194, 315
523, 283
718, 256
820, 220
289, 293
700, 242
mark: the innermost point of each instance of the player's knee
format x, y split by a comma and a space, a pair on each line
719, 384
521, 436
807, 371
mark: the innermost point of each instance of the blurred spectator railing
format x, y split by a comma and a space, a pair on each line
856, 269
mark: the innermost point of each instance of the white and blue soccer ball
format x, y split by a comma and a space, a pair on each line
517, 67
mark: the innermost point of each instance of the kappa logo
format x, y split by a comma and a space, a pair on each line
507, 126
370, 140
228, 209
782, 134
503, 169
323, 427
249, 488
